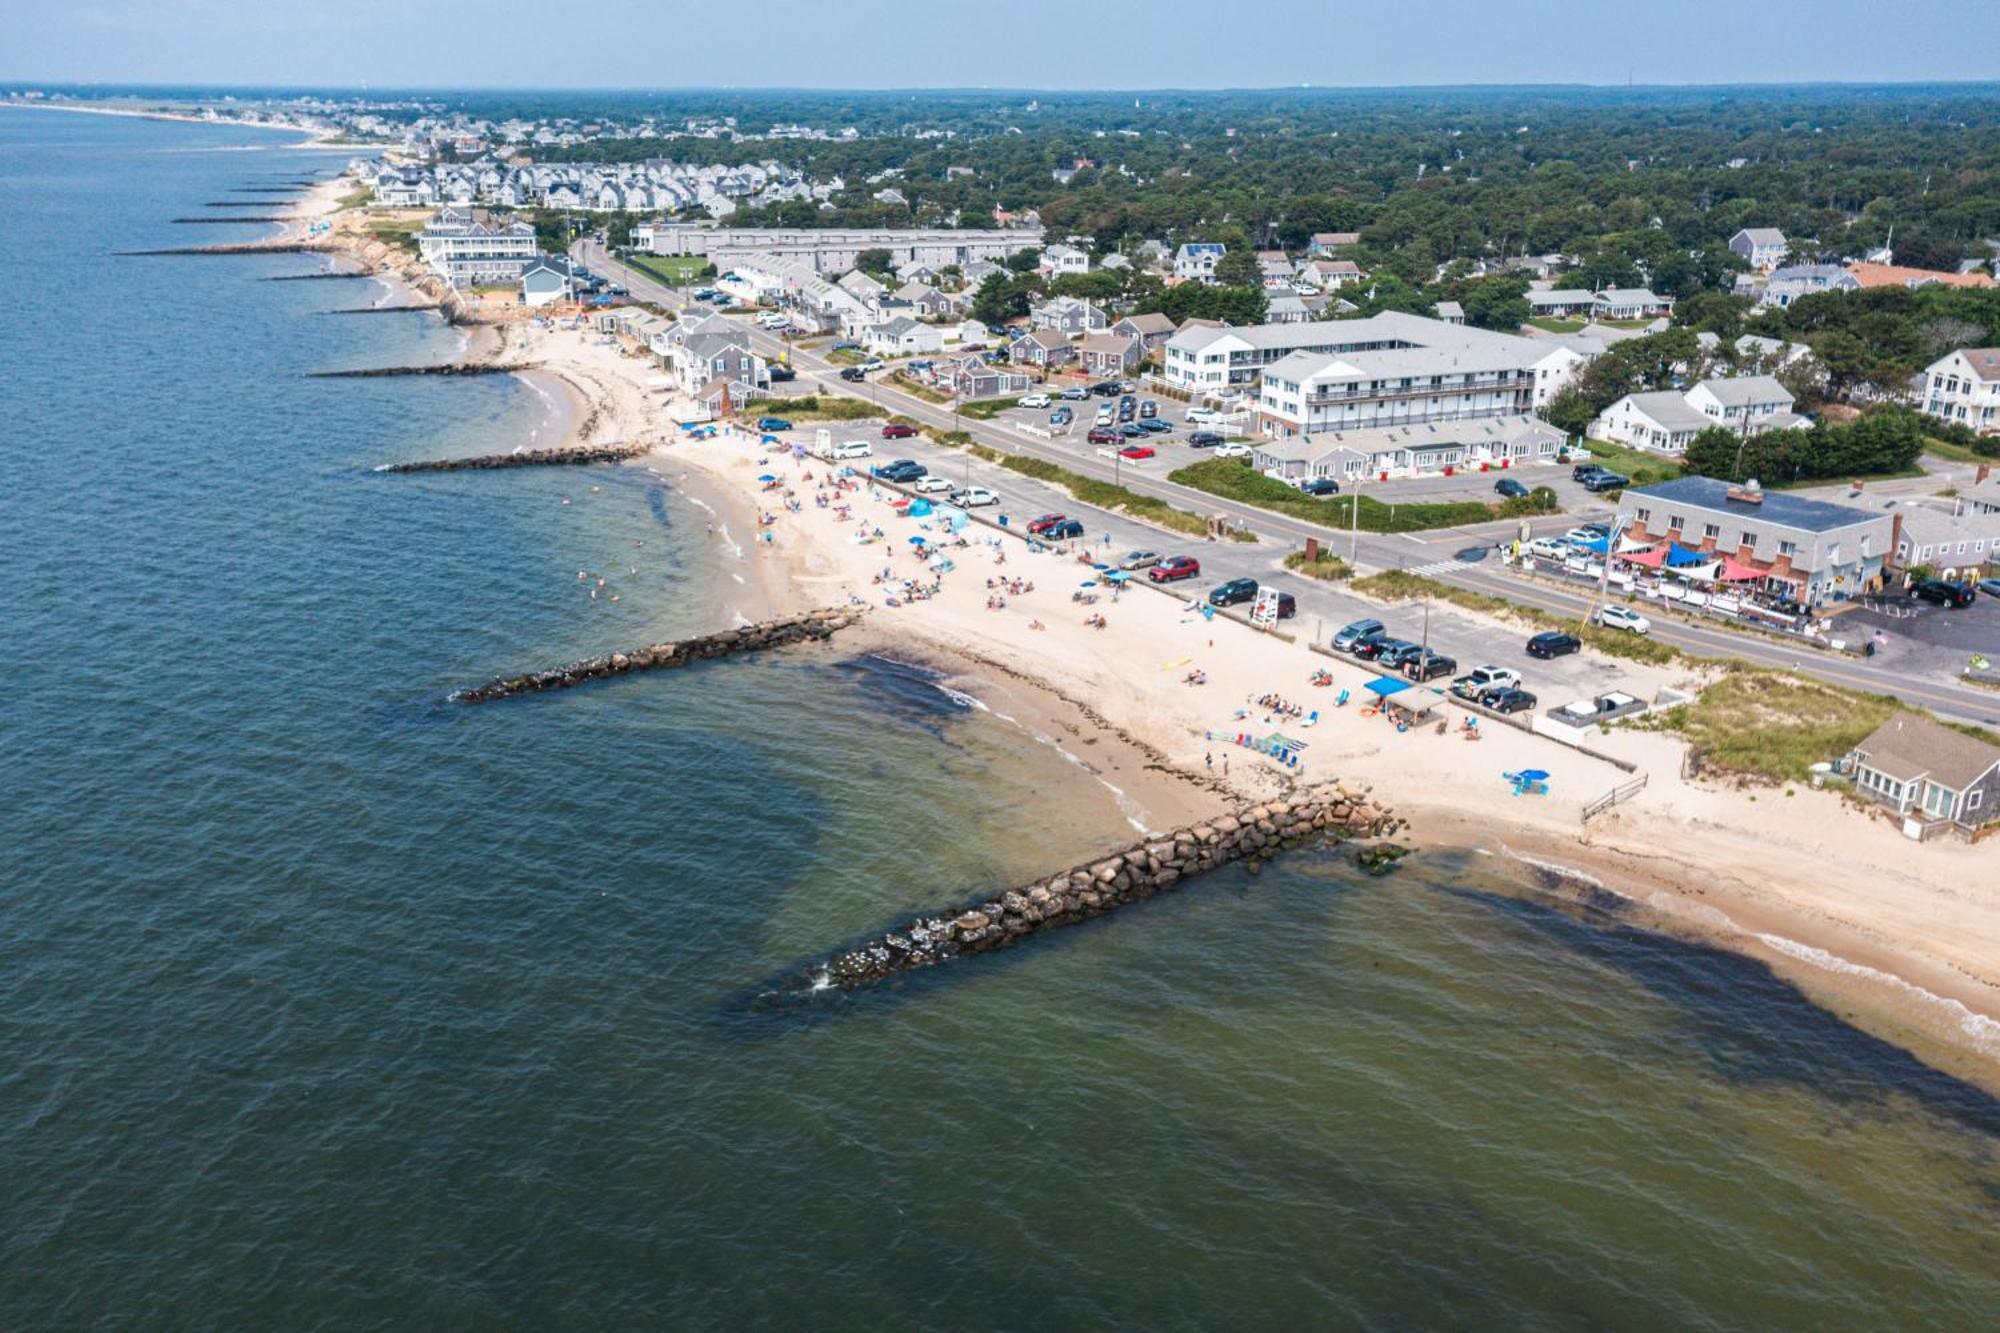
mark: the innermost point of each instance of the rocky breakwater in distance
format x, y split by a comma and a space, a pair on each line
807, 627
443, 368
596, 453
1093, 889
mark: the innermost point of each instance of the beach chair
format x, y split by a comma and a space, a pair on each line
1311, 719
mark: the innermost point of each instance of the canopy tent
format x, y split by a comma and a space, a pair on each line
1597, 545
1733, 572
953, 518
1671, 555
1384, 686
919, 508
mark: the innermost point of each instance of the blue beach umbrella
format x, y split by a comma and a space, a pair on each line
766, 477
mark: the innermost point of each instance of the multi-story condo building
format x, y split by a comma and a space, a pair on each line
470, 249
834, 250
1811, 551
1964, 389
1208, 358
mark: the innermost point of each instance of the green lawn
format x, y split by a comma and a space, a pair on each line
1642, 467
1236, 479
1549, 325
674, 270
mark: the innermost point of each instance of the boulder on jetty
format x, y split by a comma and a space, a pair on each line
443, 368
1138, 872
810, 626
597, 453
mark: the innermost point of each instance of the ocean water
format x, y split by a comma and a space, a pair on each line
326, 1003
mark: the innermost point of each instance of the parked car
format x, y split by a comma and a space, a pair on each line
1623, 617
931, 485
903, 470
1509, 699
1991, 587
1350, 634
872, 363
1107, 388
1149, 408
1105, 416
1104, 435
1155, 426
1510, 488
1138, 560
1062, 416
1232, 592
1381, 648
1204, 439
1288, 606
1130, 430
1482, 681
851, 449
974, 497
1606, 481
1076, 393
1174, 568
1945, 594
1320, 486
1132, 453
1428, 664
1063, 531
1585, 471
1203, 414
1035, 400
1037, 526
1396, 654
1549, 548
773, 423
783, 374
853, 374
896, 430
1553, 643
1232, 450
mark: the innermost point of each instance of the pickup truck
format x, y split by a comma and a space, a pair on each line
1604, 708
1477, 683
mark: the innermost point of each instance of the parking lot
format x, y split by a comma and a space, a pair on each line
1172, 451
1923, 637
1323, 608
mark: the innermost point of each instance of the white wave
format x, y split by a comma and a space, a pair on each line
551, 408
1135, 814
722, 530
1984, 1031
1557, 868
960, 697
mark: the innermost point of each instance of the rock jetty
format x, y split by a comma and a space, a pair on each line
380, 309
223, 222
446, 368
808, 627
597, 453
1085, 891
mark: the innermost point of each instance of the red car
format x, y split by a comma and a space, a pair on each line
898, 432
1045, 522
1102, 436
1136, 451
1174, 567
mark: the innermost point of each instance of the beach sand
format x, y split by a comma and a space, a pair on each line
1902, 939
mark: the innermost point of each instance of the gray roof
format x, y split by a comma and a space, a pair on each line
1744, 390
1763, 235
1669, 409
1778, 507
1912, 745
1387, 439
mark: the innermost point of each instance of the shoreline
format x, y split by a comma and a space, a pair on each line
318, 140
1900, 941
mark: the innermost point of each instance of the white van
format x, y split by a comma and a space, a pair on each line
852, 449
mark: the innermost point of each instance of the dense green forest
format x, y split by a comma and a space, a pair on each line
1643, 184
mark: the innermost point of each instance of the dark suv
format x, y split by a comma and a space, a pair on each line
1945, 594
1232, 592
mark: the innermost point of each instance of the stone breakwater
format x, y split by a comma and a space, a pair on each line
601, 453
807, 627
447, 368
1093, 889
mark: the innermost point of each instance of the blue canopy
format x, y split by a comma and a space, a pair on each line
1384, 686
1598, 544
1678, 555
920, 508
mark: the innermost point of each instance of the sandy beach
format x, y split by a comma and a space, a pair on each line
1902, 939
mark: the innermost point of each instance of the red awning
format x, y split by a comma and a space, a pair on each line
1651, 558
1732, 572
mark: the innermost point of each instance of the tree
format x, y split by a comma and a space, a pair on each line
1023, 261
877, 264
1238, 268
1002, 297
1498, 303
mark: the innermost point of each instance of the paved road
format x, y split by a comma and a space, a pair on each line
1433, 553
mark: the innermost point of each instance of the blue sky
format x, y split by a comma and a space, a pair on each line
1013, 43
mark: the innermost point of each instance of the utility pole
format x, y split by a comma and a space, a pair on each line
1618, 523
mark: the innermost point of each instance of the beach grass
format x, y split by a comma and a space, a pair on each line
814, 407
985, 409
1775, 726
1328, 566
1235, 479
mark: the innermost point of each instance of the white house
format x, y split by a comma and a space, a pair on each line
903, 336
1964, 389
546, 281
1788, 284
1662, 422
1746, 404
1196, 260
1058, 260
1763, 248
1955, 546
